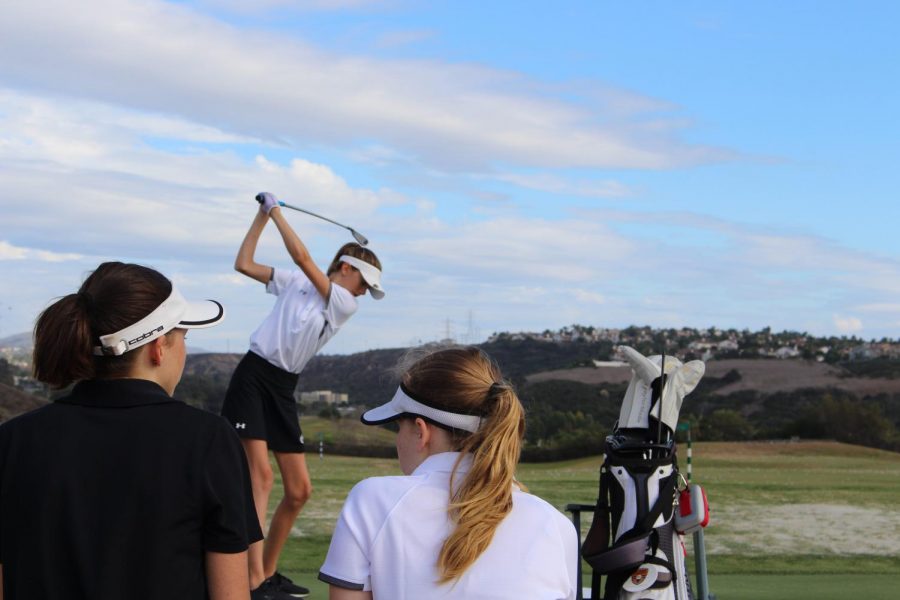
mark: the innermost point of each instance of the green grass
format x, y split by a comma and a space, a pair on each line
347, 431
795, 587
750, 477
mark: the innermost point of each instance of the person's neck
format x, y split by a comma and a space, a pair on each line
149, 373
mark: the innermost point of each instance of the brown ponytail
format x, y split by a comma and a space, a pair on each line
467, 379
113, 297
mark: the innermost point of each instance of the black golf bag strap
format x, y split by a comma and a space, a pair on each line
597, 538
631, 548
661, 562
666, 494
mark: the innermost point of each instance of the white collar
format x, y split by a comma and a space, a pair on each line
443, 463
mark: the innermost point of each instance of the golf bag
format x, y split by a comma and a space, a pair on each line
632, 540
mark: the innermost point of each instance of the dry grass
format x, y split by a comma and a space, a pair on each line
763, 375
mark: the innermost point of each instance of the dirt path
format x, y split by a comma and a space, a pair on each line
804, 529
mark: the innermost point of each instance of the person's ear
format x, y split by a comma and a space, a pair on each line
155, 350
423, 433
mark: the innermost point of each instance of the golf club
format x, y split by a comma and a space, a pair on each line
363, 241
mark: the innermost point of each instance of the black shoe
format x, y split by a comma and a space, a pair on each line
267, 590
288, 587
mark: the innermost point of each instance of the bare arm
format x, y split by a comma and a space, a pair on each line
245, 263
339, 593
227, 576
299, 253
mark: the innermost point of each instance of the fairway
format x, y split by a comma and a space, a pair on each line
789, 520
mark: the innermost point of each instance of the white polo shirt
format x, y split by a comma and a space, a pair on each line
391, 529
301, 321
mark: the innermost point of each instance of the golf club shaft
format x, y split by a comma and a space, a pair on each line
360, 238
303, 210
662, 389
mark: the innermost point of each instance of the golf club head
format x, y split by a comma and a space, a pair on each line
359, 237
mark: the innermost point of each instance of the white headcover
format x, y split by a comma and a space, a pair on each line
681, 380
174, 312
404, 404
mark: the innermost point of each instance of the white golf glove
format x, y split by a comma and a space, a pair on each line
266, 201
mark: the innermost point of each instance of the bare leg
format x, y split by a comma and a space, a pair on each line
261, 479
297, 489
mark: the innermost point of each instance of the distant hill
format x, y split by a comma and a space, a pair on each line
571, 406
14, 402
19, 340
765, 376
365, 376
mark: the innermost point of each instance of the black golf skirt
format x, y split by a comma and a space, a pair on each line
260, 404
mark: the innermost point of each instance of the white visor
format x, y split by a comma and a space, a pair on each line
174, 312
403, 404
370, 274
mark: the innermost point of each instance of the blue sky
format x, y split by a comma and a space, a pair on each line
516, 165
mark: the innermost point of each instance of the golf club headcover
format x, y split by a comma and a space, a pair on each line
266, 201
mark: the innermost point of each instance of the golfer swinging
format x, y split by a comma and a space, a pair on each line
311, 307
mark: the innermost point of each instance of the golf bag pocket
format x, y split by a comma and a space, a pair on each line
693, 510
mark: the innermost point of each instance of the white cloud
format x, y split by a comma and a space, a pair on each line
78, 174
589, 297
232, 279
252, 6
519, 249
169, 59
555, 184
11, 252
881, 307
846, 325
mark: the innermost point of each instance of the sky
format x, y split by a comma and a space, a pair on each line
517, 166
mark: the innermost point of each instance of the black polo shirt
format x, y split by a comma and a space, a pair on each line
116, 492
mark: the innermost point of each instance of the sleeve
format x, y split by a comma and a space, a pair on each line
230, 523
348, 563
341, 306
281, 279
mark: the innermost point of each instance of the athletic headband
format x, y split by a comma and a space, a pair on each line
174, 312
370, 273
404, 404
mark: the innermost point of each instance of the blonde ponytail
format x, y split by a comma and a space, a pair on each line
467, 380
484, 497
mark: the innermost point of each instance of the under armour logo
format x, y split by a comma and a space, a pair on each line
240, 426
